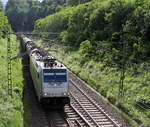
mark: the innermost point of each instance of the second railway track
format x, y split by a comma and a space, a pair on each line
94, 115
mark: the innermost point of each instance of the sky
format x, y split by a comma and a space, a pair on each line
5, 1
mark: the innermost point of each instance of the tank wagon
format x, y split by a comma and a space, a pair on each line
50, 77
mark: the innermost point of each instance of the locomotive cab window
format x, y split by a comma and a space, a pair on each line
38, 75
60, 77
49, 77
55, 75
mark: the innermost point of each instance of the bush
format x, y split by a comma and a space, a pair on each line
11, 109
4, 26
111, 97
85, 48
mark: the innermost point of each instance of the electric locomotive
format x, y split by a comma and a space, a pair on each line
49, 76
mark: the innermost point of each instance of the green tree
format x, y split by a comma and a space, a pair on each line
4, 26
53, 2
1, 5
76, 2
85, 48
23, 13
16, 11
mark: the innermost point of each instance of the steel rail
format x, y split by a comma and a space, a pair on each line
84, 109
69, 123
97, 106
78, 123
81, 116
55, 119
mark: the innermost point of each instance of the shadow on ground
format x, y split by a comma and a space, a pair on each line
33, 113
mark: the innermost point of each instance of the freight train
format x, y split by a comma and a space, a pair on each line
50, 77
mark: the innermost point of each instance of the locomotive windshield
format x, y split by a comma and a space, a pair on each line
55, 75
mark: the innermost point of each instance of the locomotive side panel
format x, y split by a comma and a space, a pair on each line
36, 77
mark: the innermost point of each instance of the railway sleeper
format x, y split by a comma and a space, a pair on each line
96, 114
92, 108
84, 100
88, 105
81, 124
73, 116
106, 123
99, 117
102, 120
70, 113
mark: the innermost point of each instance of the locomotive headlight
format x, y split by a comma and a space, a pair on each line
45, 94
65, 94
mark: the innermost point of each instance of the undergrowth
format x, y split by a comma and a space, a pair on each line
11, 108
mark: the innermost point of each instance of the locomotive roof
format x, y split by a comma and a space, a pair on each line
36, 59
26, 40
40, 58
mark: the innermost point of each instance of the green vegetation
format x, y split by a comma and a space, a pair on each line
105, 37
76, 2
23, 13
4, 26
11, 109
1, 5
56, 22
107, 25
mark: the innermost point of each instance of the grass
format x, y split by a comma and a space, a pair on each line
11, 108
105, 80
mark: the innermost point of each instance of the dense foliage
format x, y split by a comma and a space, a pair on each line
4, 26
23, 13
1, 5
76, 2
57, 22
53, 2
109, 25
11, 109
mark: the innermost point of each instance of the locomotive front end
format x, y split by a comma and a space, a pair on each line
55, 84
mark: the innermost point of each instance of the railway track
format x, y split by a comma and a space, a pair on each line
70, 117
56, 119
94, 115
75, 117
